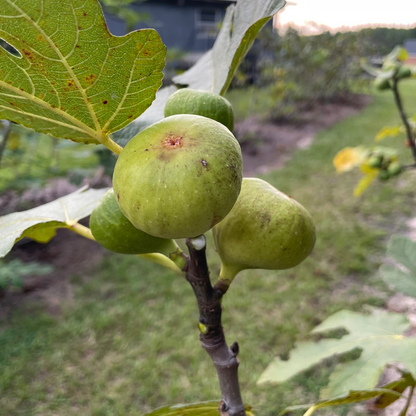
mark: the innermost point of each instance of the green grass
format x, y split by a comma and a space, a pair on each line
128, 341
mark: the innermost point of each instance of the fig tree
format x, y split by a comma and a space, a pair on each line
116, 233
266, 229
179, 177
202, 103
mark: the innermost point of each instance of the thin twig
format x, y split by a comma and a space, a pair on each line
409, 135
409, 399
5, 135
212, 334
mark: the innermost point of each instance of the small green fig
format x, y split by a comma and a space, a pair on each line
382, 84
202, 103
179, 177
384, 175
394, 168
375, 161
116, 233
266, 229
404, 72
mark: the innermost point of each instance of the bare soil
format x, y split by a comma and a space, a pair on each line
265, 146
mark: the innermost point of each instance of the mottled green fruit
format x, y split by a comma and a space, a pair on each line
382, 84
202, 103
384, 175
375, 161
266, 229
394, 168
116, 233
404, 72
179, 177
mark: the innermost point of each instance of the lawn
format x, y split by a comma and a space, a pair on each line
128, 341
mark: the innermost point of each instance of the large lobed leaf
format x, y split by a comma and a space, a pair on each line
215, 70
40, 223
402, 276
74, 79
378, 336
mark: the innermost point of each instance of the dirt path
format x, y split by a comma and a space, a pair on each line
267, 146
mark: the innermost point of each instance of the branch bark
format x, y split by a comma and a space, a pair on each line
212, 334
409, 135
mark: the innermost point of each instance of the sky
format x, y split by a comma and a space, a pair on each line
336, 13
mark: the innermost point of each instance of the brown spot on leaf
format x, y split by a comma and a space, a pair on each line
89, 79
71, 83
118, 196
105, 102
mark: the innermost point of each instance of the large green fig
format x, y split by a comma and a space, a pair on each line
116, 233
202, 103
266, 229
179, 177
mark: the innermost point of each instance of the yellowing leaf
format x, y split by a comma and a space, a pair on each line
74, 79
348, 158
392, 131
365, 182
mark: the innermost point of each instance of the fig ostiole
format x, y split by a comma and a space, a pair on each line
202, 103
116, 233
266, 229
179, 177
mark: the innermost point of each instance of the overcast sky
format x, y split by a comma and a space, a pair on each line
337, 13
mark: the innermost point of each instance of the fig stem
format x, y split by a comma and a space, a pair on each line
211, 331
81, 230
162, 260
153, 257
110, 144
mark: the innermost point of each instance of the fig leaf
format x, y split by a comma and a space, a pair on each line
402, 276
73, 79
41, 222
378, 336
215, 70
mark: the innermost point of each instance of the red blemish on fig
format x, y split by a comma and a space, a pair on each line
172, 141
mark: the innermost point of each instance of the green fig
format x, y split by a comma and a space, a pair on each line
179, 177
375, 161
404, 72
394, 168
266, 229
202, 103
384, 175
382, 84
116, 233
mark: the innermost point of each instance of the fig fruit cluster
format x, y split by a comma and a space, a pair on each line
386, 165
182, 176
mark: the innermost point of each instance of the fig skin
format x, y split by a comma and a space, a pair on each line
116, 233
202, 103
179, 177
266, 229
